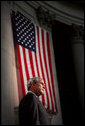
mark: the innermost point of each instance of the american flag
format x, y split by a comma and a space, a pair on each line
34, 57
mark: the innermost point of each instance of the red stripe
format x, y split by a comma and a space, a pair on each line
37, 65
43, 46
31, 63
50, 65
21, 72
25, 62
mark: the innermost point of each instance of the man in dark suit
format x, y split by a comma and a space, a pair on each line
31, 110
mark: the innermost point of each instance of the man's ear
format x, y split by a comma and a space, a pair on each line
33, 85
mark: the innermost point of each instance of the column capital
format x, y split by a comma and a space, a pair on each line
44, 17
77, 34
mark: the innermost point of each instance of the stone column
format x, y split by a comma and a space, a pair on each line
9, 90
78, 57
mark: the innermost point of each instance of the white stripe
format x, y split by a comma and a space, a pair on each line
23, 68
34, 64
28, 63
48, 68
45, 75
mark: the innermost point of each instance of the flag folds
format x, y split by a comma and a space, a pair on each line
34, 57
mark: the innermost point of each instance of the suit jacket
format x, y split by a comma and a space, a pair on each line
31, 111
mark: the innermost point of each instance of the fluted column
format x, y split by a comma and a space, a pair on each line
78, 57
9, 90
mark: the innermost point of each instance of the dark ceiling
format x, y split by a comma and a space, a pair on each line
77, 3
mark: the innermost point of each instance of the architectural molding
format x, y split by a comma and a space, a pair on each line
24, 8
64, 13
53, 9
44, 17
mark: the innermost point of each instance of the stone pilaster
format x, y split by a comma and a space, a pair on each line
78, 57
9, 90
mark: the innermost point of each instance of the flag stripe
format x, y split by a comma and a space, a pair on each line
43, 70
28, 63
49, 59
38, 35
43, 97
37, 66
31, 63
25, 62
23, 68
20, 66
44, 53
44, 67
34, 64
48, 72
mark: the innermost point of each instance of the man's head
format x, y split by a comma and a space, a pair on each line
36, 85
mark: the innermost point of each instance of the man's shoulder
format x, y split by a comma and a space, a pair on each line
31, 93
29, 96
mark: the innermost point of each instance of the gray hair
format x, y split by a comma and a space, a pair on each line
34, 80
